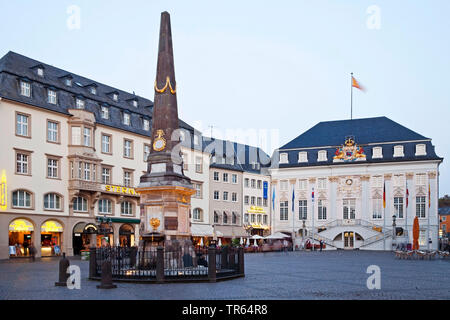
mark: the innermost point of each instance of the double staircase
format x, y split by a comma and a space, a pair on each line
382, 232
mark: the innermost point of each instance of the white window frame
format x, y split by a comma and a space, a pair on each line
51, 96
22, 200
52, 168
22, 163
22, 125
377, 152
103, 204
25, 88
52, 131
105, 112
87, 136
106, 143
322, 155
302, 156
126, 208
126, 118
80, 103
284, 158
53, 201
76, 204
398, 151
421, 149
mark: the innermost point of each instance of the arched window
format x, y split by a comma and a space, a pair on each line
104, 206
234, 218
225, 218
52, 201
21, 199
126, 208
216, 217
197, 215
80, 204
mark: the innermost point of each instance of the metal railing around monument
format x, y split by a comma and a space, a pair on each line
160, 265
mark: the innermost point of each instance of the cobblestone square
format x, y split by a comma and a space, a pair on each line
276, 275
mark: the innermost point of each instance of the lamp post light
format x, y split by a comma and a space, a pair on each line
303, 230
102, 221
394, 231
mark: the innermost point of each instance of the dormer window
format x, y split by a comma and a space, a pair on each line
51, 96
146, 124
25, 88
105, 112
322, 155
126, 118
303, 156
284, 158
195, 139
135, 103
398, 151
377, 153
93, 90
115, 97
40, 72
68, 82
421, 150
79, 103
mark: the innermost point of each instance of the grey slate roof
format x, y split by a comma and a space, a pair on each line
14, 67
329, 135
366, 130
445, 211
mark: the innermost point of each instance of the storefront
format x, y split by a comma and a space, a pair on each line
51, 237
126, 236
84, 236
20, 237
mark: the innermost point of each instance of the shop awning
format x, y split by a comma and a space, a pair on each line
21, 225
126, 220
231, 231
201, 230
51, 226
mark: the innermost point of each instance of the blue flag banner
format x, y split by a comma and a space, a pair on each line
293, 199
265, 189
273, 198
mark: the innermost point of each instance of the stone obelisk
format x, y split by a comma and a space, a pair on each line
165, 192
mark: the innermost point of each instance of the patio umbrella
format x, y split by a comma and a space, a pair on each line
255, 243
256, 237
241, 242
201, 241
416, 234
220, 242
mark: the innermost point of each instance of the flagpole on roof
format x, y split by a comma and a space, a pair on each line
351, 96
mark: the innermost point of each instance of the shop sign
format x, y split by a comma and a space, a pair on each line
21, 225
3, 192
51, 226
255, 209
122, 190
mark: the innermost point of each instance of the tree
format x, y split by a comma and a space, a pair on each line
444, 201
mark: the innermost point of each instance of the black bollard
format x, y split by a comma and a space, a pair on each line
106, 276
64, 263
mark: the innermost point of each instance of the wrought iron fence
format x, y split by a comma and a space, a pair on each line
157, 264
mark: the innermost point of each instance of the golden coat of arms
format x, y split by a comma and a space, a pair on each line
349, 151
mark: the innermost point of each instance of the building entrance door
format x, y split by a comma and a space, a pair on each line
348, 240
349, 211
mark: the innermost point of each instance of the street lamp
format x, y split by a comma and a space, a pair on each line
393, 229
102, 221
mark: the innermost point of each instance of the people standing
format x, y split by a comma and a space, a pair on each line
32, 252
321, 245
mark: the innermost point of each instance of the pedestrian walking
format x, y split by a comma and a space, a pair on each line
32, 252
321, 245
